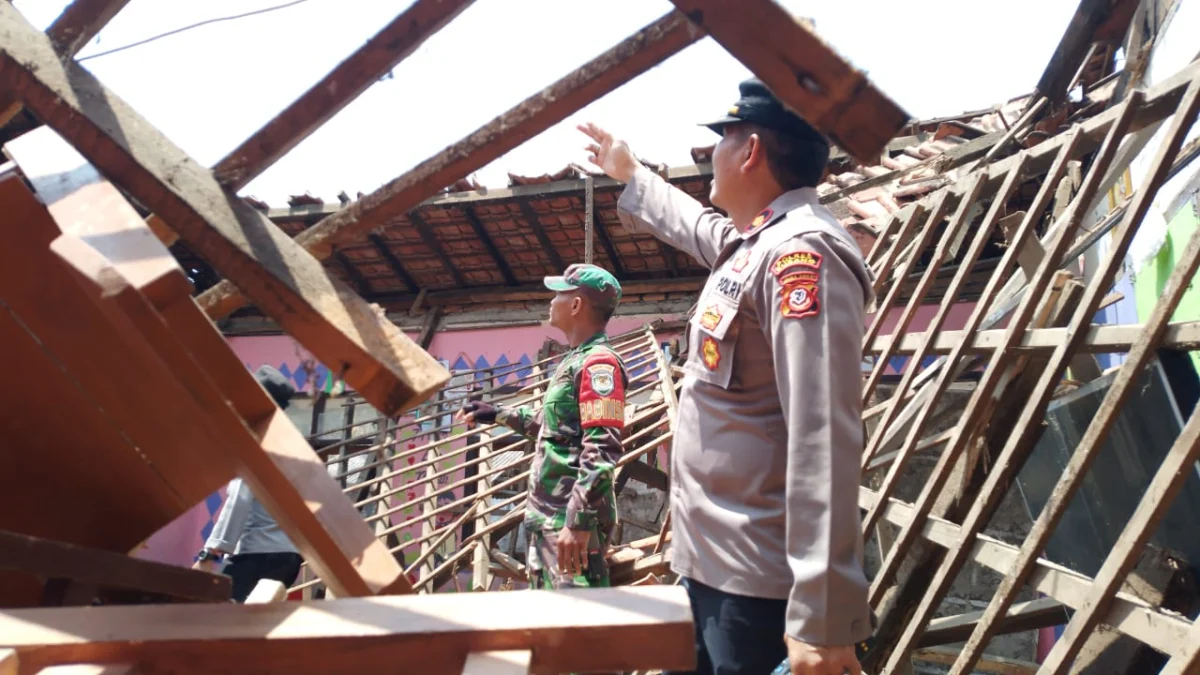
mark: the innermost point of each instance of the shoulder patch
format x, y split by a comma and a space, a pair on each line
601, 392
799, 277
795, 261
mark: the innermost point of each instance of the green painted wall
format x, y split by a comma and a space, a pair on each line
1151, 280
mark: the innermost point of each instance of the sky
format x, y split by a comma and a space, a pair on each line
210, 88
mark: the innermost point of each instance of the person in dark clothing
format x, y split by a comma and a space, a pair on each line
258, 548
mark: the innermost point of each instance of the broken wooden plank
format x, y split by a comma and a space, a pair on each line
144, 300
994, 665
398, 40
645, 627
1176, 468
107, 570
1143, 351
286, 283
79, 22
1161, 629
1011, 458
511, 662
267, 590
630, 58
1094, 20
804, 72
1100, 339
1021, 616
56, 371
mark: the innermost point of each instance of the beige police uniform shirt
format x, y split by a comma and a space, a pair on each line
765, 461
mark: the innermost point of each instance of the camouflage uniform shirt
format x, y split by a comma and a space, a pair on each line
578, 431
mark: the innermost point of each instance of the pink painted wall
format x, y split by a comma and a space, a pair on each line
459, 350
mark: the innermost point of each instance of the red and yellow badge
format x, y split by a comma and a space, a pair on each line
798, 296
759, 220
710, 352
602, 392
740, 262
791, 261
710, 318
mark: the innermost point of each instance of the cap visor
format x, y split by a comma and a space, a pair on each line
558, 284
718, 126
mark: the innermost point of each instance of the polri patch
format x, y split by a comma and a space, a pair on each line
798, 296
796, 260
710, 353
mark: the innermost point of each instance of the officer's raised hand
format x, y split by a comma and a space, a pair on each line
478, 411
613, 156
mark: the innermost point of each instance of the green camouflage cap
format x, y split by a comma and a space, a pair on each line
597, 280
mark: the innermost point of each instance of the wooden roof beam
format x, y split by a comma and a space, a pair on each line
349, 79
393, 262
535, 226
435, 245
286, 283
490, 245
628, 59
803, 71
647, 627
79, 22
354, 274
617, 268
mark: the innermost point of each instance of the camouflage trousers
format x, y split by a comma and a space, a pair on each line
542, 561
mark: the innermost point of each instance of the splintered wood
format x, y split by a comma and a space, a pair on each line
1032, 310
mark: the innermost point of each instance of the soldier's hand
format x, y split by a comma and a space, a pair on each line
572, 550
478, 411
613, 156
808, 659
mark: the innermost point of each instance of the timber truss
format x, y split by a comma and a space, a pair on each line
98, 320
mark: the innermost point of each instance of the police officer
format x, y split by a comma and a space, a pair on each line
765, 462
572, 509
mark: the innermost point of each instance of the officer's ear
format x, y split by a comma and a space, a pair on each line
754, 152
576, 305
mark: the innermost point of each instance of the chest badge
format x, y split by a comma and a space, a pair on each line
740, 262
710, 352
711, 318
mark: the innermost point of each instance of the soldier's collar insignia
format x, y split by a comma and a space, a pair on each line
759, 220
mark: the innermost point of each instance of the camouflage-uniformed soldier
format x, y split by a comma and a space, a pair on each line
571, 509
765, 463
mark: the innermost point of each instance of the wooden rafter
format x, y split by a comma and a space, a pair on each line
803, 71
486, 239
137, 297
632, 57
79, 22
361, 285
647, 625
393, 262
350, 78
287, 283
435, 245
535, 225
1159, 628
610, 250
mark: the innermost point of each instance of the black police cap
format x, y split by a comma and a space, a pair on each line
759, 105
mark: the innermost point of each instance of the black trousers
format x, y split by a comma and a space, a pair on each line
735, 633
247, 569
